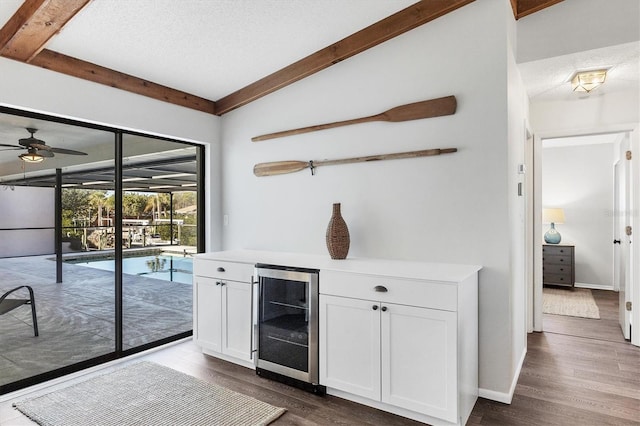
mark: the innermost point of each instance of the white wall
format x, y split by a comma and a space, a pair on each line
35, 89
26, 207
518, 104
580, 180
562, 118
452, 208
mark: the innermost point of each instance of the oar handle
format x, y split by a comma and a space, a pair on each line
410, 154
316, 127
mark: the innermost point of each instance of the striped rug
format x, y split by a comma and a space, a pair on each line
146, 393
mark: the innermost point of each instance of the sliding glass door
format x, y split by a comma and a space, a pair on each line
159, 212
101, 225
49, 228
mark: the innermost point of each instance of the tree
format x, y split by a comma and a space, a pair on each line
75, 206
97, 200
133, 204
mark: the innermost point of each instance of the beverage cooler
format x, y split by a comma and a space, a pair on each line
287, 325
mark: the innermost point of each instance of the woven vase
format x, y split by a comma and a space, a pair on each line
337, 235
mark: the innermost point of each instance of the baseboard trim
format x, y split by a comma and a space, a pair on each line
504, 397
594, 286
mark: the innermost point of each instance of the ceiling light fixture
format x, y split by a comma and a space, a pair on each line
31, 156
586, 81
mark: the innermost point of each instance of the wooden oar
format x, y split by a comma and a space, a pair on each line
425, 109
282, 167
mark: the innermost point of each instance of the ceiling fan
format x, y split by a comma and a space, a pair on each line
38, 150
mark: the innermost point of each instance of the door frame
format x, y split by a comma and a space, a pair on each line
534, 315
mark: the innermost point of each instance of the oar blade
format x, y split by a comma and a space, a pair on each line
425, 109
279, 167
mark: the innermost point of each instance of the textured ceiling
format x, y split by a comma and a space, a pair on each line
549, 79
212, 48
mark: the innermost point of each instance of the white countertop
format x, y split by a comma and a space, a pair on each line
443, 272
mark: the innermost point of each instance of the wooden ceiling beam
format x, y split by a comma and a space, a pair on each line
407, 19
36, 22
68, 65
527, 7
32, 26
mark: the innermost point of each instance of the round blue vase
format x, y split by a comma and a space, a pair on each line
552, 236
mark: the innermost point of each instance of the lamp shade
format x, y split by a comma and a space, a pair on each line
553, 215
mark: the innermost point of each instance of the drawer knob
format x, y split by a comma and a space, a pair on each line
220, 269
218, 283
384, 309
375, 307
380, 289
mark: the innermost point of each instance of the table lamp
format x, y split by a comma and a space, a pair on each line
552, 216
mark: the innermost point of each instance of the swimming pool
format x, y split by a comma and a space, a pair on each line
163, 266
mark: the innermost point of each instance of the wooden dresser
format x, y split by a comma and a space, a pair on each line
558, 265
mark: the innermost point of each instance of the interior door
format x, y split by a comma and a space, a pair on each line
623, 222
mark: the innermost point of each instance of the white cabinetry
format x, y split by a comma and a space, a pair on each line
223, 307
395, 344
398, 336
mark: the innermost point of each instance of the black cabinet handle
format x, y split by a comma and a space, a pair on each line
616, 241
384, 309
375, 307
218, 283
220, 269
380, 289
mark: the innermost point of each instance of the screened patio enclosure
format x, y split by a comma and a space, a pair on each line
102, 228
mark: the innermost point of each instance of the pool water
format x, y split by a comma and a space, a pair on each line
163, 267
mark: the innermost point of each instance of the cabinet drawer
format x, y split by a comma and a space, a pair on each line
557, 250
428, 294
242, 272
562, 269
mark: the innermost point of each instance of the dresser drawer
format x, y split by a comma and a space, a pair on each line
428, 294
557, 279
556, 260
557, 250
561, 269
232, 271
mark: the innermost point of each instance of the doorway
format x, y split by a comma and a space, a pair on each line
600, 267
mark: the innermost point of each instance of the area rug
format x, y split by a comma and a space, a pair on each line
146, 393
578, 302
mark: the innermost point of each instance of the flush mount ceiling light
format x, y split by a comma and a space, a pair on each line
31, 156
586, 81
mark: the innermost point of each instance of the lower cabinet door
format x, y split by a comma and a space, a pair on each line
419, 361
208, 314
350, 345
236, 324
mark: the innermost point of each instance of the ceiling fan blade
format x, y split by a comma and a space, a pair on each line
11, 146
66, 151
44, 147
45, 153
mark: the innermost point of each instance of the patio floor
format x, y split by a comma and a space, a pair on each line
76, 317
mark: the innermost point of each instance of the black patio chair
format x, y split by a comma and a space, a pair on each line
7, 305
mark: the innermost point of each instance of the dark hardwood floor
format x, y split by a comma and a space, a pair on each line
579, 372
